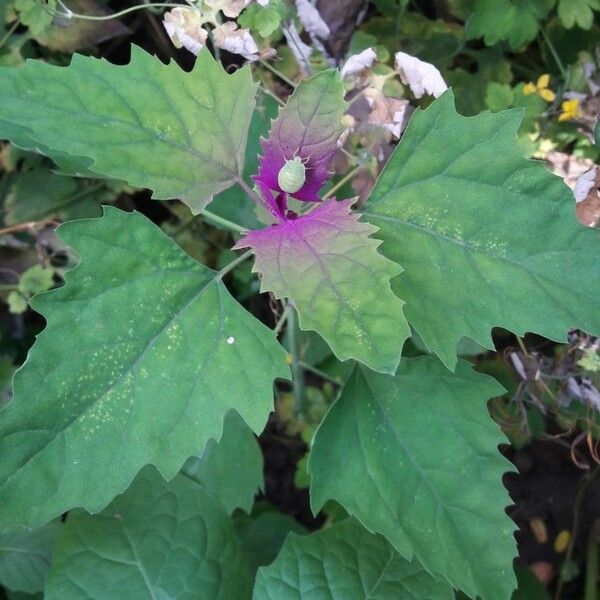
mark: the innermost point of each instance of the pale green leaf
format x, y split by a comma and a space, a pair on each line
144, 353
17, 303
180, 134
345, 562
414, 457
577, 12
231, 469
35, 14
158, 540
25, 557
485, 237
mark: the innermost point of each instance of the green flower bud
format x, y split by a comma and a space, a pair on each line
292, 175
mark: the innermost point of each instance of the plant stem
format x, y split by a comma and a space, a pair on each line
282, 320
297, 370
278, 73
591, 563
320, 373
554, 53
10, 32
585, 482
69, 14
249, 191
265, 90
210, 216
233, 264
342, 182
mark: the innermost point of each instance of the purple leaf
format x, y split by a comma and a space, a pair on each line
326, 263
307, 127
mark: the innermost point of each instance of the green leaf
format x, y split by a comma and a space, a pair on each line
231, 469
264, 20
17, 303
345, 562
263, 535
37, 15
514, 20
499, 96
187, 142
36, 279
25, 557
233, 204
577, 12
414, 457
39, 194
485, 237
327, 264
144, 353
158, 540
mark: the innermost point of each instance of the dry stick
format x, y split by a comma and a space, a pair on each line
28, 225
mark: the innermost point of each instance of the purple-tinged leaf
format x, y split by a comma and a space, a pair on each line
326, 263
308, 127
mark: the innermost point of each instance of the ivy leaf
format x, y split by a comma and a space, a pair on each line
231, 469
345, 562
424, 450
517, 21
577, 12
25, 557
135, 367
187, 143
157, 540
485, 237
327, 264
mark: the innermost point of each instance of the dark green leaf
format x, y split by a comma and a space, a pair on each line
144, 353
485, 237
414, 457
158, 540
345, 562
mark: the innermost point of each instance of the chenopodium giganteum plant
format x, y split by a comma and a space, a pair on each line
145, 353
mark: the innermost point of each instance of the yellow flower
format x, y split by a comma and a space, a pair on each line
570, 110
540, 88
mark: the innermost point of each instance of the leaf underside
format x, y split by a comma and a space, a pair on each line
133, 368
327, 264
188, 142
485, 237
424, 450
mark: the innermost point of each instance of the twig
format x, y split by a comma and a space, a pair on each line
278, 73
342, 182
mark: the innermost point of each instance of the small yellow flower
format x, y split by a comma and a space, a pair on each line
540, 88
570, 110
